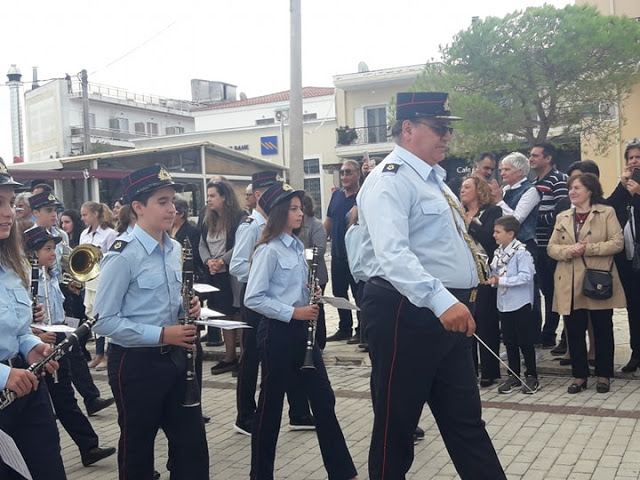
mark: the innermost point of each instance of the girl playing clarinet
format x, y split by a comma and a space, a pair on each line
278, 291
29, 419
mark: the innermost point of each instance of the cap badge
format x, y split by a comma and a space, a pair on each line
164, 175
279, 178
286, 187
445, 106
51, 197
3, 169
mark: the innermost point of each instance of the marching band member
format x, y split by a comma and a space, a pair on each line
277, 290
138, 300
44, 206
29, 420
38, 241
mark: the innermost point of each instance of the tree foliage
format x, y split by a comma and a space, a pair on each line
537, 75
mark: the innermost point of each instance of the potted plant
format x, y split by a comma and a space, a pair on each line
346, 135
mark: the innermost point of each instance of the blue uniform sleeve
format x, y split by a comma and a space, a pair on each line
387, 219
113, 284
245, 241
257, 296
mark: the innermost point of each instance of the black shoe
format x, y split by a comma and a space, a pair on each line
99, 404
418, 435
549, 344
302, 423
96, 454
205, 419
243, 427
602, 387
339, 336
487, 382
565, 361
224, 367
156, 475
577, 387
353, 340
632, 366
561, 349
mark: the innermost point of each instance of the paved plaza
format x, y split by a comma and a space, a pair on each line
549, 435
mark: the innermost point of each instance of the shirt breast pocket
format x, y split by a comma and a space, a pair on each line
434, 208
149, 282
287, 264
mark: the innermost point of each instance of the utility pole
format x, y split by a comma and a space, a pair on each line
296, 150
85, 112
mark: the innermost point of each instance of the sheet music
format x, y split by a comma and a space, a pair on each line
339, 302
206, 313
223, 324
205, 288
53, 328
11, 455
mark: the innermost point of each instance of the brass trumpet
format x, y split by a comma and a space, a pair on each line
81, 264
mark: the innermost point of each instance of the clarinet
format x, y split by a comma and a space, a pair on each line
79, 334
35, 279
307, 364
192, 389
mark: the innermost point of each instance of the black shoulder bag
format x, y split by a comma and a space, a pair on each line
597, 284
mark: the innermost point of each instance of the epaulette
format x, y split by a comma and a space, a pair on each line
391, 167
118, 246
248, 220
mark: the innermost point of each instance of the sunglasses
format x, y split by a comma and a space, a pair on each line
347, 172
439, 129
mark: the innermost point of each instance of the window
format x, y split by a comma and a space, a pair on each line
119, 123
376, 123
174, 130
265, 121
152, 128
309, 116
311, 165
313, 189
139, 127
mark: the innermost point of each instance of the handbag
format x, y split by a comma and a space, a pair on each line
597, 284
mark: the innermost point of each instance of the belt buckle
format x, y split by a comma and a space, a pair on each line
164, 349
10, 362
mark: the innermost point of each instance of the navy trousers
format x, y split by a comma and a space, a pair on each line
281, 347
415, 360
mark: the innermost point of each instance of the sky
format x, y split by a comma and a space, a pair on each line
157, 47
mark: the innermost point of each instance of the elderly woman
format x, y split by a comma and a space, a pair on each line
625, 199
586, 236
475, 197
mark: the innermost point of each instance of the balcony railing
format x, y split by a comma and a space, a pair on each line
106, 133
361, 135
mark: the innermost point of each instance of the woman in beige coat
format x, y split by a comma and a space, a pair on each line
588, 233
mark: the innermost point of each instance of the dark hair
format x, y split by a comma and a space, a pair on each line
182, 206
78, 226
11, 255
509, 223
481, 156
483, 191
231, 210
276, 222
44, 186
635, 143
584, 166
547, 150
308, 207
591, 183
124, 218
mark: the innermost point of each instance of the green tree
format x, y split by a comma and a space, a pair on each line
537, 75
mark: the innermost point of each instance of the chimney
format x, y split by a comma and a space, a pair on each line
34, 84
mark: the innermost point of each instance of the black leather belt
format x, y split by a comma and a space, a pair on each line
15, 362
160, 350
465, 295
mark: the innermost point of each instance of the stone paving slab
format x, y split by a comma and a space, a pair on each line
548, 435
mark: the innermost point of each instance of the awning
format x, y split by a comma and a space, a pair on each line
68, 174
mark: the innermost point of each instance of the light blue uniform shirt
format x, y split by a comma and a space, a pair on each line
278, 278
353, 243
139, 289
57, 232
55, 305
247, 235
409, 234
15, 319
515, 287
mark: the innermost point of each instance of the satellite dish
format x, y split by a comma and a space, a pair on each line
362, 67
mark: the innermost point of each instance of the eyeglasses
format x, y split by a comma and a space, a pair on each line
346, 172
439, 129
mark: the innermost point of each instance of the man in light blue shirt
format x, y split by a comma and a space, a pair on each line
422, 279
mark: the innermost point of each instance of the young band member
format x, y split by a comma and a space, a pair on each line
138, 300
28, 420
277, 290
38, 241
247, 236
44, 206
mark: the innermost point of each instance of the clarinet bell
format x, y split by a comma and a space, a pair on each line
191, 393
307, 364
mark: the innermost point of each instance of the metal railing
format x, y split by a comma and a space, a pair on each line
362, 135
106, 133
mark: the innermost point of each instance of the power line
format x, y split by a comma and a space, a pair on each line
135, 48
